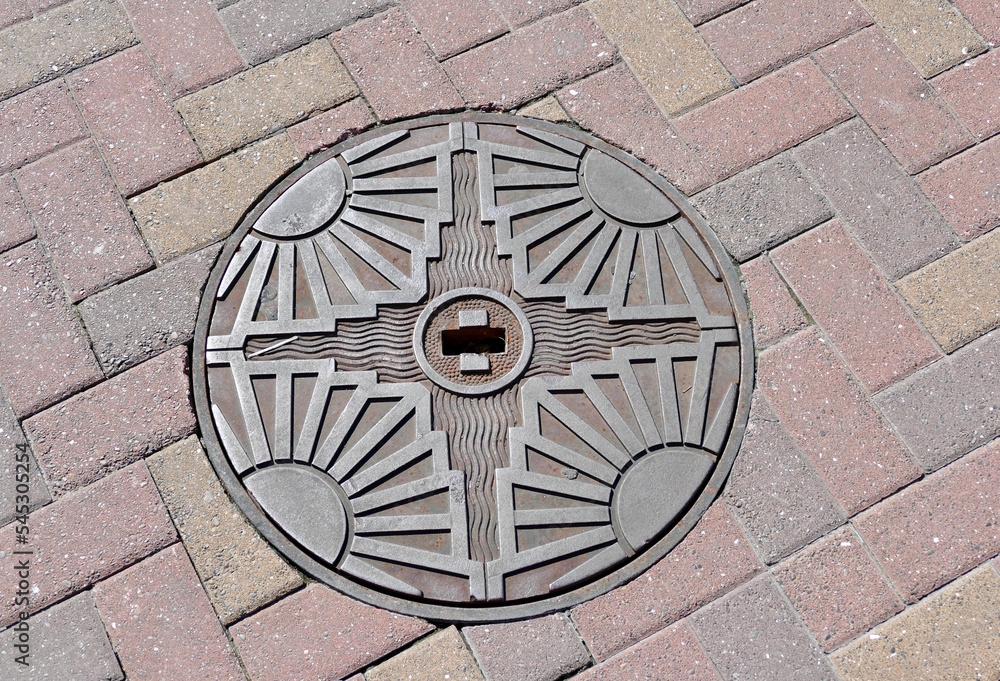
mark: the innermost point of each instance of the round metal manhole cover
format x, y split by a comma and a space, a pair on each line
473, 367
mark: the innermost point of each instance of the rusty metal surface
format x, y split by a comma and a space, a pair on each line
473, 367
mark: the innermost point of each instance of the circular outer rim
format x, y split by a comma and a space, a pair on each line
527, 343
488, 613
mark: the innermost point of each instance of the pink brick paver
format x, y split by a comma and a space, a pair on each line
88, 536
844, 292
523, 12
966, 189
837, 589
162, 624
833, 421
984, 15
15, 225
711, 560
395, 68
81, 217
46, 356
755, 39
614, 106
941, 527
775, 314
674, 653
900, 106
700, 11
140, 132
454, 26
13, 11
328, 128
973, 92
519, 67
762, 119
544, 649
332, 636
186, 42
37, 122
113, 424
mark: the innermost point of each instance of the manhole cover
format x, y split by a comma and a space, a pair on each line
473, 367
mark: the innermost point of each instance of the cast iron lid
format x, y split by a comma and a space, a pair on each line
473, 367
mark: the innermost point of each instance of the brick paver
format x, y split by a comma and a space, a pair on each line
933, 35
833, 421
958, 297
255, 103
36, 123
679, 78
712, 560
203, 206
614, 106
147, 315
13, 11
700, 11
775, 313
966, 189
186, 42
333, 636
762, 119
850, 300
950, 408
838, 589
555, 51
541, 649
763, 206
984, 15
909, 117
973, 92
674, 653
113, 424
83, 31
240, 572
14, 450
88, 536
46, 356
454, 26
15, 225
775, 492
396, 69
881, 205
755, 39
264, 29
82, 219
155, 611
326, 129
548, 109
753, 634
441, 656
522, 12
67, 641
941, 527
951, 635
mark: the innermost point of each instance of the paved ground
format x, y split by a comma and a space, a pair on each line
845, 151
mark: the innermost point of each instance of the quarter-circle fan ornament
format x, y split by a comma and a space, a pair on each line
473, 367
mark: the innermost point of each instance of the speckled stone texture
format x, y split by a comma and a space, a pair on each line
546, 109
454, 26
15, 225
203, 207
948, 637
878, 202
775, 313
332, 126
36, 123
238, 569
88, 536
541, 649
973, 92
614, 106
441, 656
14, 450
114, 424
67, 641
46, 357
333, 636
674, 653
838, 589
950, 408
965, 189
753, 634
763, 206
712, 559
155, 611
774, 490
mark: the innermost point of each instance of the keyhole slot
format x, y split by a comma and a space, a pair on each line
479, 340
